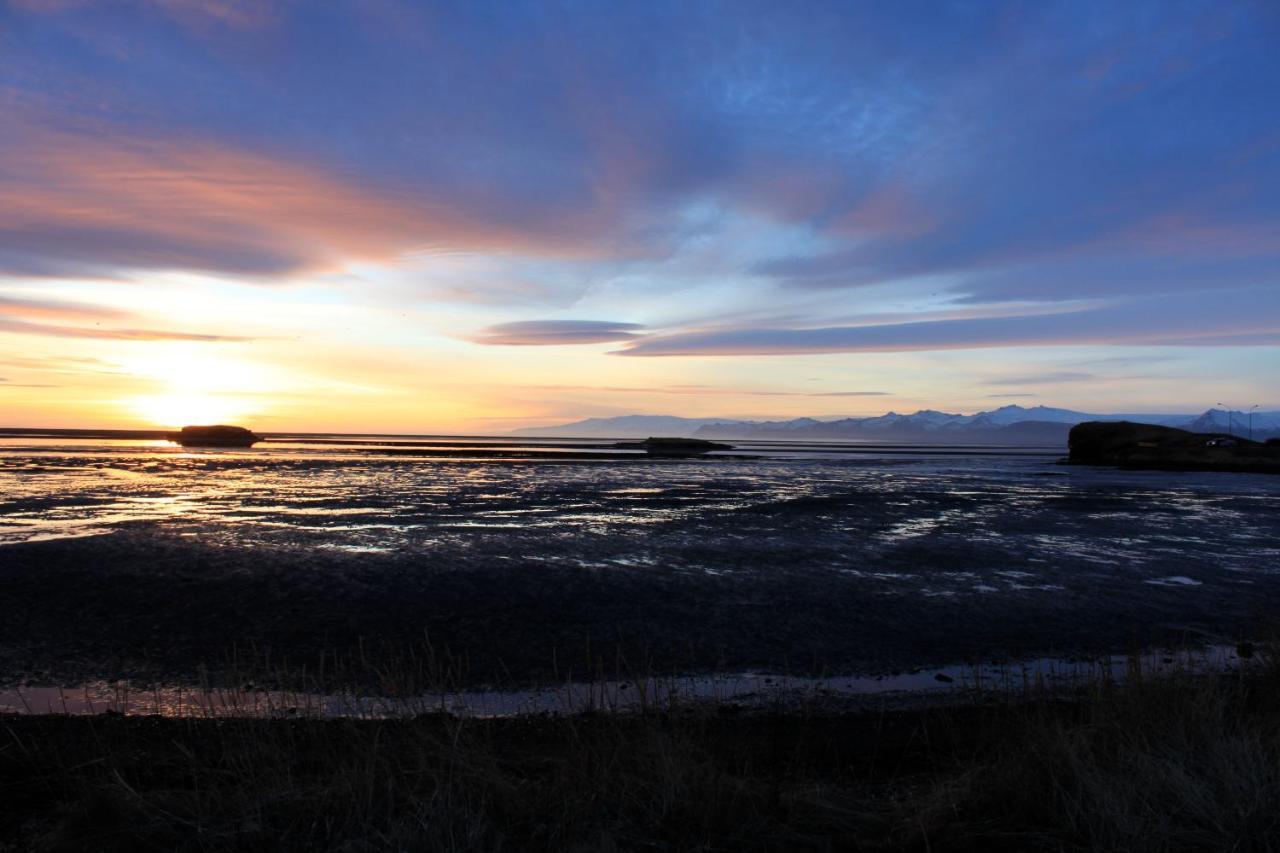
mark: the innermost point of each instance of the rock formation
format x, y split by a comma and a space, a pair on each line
218, 435
1149, 447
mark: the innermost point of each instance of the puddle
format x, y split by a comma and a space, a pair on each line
747, 690
1175, 580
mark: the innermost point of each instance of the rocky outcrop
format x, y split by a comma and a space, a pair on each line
1149, 447
218, 435
673, 447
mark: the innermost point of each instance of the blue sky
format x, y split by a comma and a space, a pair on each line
386, 214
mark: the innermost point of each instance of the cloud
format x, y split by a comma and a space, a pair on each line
1241, 317
557, 333
1016, 154
77, 203
19, 327
52, 317
8, 384
1008, 396
50, 309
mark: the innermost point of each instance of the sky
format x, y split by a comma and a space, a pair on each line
382, 215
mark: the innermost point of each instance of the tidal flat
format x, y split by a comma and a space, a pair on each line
130, 560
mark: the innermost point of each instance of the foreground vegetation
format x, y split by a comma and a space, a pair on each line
1185, 763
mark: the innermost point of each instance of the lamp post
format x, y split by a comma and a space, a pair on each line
1251, 408
1230, 421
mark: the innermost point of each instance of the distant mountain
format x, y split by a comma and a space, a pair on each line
1042, 425
1218, 420
626, 426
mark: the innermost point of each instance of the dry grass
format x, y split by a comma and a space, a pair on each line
1185, 763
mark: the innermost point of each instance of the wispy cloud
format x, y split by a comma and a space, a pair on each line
557, 333
1242, 317
71, 365
52, 309
5, 383
19, 327
104, 201
63, 319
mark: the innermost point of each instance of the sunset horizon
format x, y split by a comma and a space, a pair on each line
678, 425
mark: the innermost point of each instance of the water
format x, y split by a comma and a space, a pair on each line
937, 524
139, 559
753, 691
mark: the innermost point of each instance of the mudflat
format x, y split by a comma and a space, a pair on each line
155, 565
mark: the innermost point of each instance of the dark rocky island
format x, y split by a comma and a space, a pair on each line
673, 447
218, 435
1157, 448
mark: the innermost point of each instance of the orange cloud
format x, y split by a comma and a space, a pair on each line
47, 309
97, 203
19, 327
51, 317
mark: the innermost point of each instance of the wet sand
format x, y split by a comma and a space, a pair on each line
146, 604
126, 561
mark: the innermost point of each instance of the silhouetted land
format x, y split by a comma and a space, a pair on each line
215, 435
1146, 447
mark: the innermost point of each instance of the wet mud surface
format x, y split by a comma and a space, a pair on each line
157, 566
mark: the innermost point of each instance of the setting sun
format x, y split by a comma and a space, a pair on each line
197, 385
180, 409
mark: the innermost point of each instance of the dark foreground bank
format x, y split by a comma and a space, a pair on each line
1180, 764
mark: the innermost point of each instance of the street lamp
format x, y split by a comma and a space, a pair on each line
1251, 408
1230, 421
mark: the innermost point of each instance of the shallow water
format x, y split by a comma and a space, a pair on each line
748, 690
145, 561
937, 524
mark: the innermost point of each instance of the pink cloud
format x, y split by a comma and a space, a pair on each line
52, 317
110, 201
46, 309
21, 327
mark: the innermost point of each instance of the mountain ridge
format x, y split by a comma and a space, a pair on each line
1011, 424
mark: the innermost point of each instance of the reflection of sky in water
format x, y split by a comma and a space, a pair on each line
937, 525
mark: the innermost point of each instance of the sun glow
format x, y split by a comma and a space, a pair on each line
175, 410
199, 386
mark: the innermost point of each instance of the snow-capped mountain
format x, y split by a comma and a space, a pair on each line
1011, 424
1219, 420
625, 426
